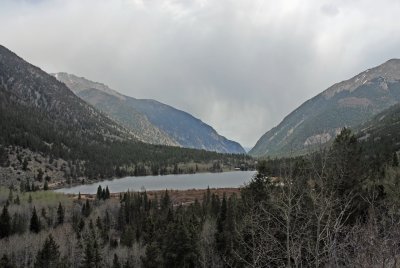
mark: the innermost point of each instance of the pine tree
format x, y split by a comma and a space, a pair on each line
208, 196
81, 225
180, 249
107, 195
60, 214
215, 204
99, 194
128, 236
88, 258
99, 224
116, 263
45, 186
25, 164
170, 216
166, 201
395, 161
86, 209
22, 187
5, 262
176, 169
220, 236
10, 195
49, 255
40, 175
35, 223
5, 223
128, 264
107, 221
44, 213
18, 224
152, 258
17, 201
97, 254
27, 186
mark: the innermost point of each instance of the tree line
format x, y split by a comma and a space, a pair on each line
93, 154
329, 208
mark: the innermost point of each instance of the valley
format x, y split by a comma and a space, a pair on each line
93, 178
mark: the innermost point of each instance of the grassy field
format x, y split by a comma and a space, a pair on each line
40, 198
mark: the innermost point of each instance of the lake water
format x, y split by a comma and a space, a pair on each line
231, 179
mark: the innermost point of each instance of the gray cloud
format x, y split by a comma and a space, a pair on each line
330, 9
238, 65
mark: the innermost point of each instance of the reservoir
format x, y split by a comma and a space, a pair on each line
233, 179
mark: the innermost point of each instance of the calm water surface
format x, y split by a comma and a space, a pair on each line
231, 179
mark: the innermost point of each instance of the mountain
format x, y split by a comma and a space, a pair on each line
49, 132
116, 106
345, 104
29, 90
187, 130
149, 120
381, 133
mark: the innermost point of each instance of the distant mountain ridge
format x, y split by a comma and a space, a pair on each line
149, 120
115, 105
345, 104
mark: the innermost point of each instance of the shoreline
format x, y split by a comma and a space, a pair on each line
61, 185
178, 197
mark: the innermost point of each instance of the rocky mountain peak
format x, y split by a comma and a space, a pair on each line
389, 71
345, 104
78, 84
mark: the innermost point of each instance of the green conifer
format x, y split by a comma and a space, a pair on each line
116, 263
60, 214
5, 223
49, 255
35, 222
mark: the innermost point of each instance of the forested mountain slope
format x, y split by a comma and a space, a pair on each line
41, 119
32, 92
380, 135
345, 104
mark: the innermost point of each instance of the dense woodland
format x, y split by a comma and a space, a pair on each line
330, 208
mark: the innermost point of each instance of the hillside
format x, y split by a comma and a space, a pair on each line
47, 131
381, 133
345, 104
117, 107
27, 89
149, 120
187, 130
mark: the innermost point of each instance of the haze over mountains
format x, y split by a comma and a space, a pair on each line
118, 117
345, 104
149, 120
46, 129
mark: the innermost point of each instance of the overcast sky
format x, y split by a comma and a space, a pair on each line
238, 65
